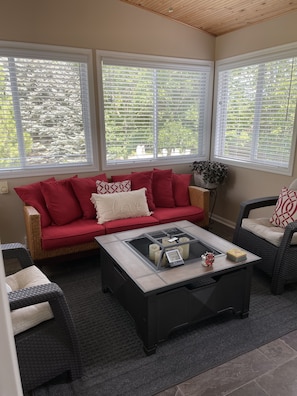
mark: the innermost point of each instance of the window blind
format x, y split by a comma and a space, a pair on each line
44, 111
154, 112
255, 113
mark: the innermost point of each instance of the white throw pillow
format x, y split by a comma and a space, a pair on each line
120, 205
27, 317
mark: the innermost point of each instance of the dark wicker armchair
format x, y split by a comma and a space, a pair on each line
50, 348
279, 262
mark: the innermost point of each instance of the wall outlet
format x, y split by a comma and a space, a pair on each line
3, 187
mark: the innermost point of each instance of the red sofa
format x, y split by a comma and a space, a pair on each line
60, 218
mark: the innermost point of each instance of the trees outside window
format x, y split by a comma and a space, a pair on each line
45, 119
153, 110
255, 113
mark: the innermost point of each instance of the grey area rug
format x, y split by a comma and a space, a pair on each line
113, 359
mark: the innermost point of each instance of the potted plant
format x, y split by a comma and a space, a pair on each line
209, 174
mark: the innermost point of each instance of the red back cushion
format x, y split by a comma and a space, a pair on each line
61, 201
32, 195
162, 188
180, 183
140, 180
83, 188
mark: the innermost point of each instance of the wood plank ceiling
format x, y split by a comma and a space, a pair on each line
218, 16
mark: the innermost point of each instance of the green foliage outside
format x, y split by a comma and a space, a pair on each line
47, 96
155, 109
260, 112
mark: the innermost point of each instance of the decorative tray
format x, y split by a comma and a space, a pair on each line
153, 247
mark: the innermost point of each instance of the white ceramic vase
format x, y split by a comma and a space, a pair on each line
198, 180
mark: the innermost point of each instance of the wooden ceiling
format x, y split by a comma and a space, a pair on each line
217, 16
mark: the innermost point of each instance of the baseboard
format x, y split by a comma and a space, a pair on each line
224, 221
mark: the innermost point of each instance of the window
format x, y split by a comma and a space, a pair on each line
155, 109
256, 111
45, 117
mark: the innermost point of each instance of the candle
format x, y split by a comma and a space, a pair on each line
186, 247
153, 248
157, 258
166, 241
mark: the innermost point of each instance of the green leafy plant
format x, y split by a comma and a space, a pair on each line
211, 171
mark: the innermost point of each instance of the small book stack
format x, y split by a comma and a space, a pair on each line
236, 255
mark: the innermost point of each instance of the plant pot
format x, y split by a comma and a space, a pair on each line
198, 180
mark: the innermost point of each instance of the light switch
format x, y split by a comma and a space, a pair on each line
3, 187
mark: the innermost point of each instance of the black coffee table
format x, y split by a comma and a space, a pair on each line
161, 301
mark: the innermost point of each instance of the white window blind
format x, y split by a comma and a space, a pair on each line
44, 111
255, 114
155, 112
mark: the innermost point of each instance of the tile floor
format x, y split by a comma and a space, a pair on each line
270, 370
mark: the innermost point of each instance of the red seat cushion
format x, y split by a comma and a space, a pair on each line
129, 224
77, 232
190, 213
83, 188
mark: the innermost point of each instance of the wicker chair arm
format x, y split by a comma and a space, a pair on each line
53, 294
17, 251
47, 292
34, 295
290, 229
247, 206
284, 258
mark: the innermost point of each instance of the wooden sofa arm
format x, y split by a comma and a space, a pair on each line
199, 197
33, 231
34, 239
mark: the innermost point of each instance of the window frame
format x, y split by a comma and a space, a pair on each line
248, 59
60, 53
128, 59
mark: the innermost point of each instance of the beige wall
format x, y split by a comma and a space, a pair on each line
96, 24
101, 24
244, 183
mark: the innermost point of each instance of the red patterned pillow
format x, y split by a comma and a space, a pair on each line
61, 201
286, 208
31, 195
111, 188
162, 188
180, 183
83, 188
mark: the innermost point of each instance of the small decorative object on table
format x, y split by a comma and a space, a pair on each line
236, 255
208, 259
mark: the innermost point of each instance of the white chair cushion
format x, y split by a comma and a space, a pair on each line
27, 317
264, 229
